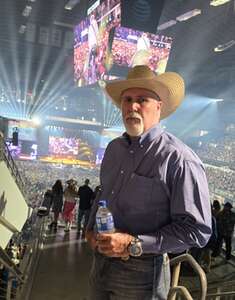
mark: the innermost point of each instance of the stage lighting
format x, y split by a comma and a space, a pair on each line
166, 25
27, 11
188, 15
223, 47
36, 120
217, 100
22, 29
218, 2
70, 5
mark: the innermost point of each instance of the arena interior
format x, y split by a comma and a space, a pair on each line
56, 121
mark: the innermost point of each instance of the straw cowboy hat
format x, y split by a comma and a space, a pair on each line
71, 181
168, 86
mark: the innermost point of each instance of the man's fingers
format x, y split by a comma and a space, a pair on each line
103, 237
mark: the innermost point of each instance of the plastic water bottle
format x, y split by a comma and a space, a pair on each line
104, 218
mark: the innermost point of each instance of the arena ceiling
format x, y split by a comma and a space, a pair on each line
208, 74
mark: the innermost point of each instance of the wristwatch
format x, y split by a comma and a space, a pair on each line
135, 247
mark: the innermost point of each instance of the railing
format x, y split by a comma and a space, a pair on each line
218, 290
222, 295
13, 275
14, 279
182, 290
6, 156
221, 289
18, 283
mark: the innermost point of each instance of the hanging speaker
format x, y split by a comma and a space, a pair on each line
15, 138
141, 15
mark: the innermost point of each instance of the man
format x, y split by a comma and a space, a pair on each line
225, 227
143, 51
86, 196
93, 42
155, 187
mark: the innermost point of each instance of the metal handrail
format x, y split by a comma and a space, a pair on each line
22, 274
221, 294
30, 265
7, 262
221, 283
175, 288
180, 290
6, 156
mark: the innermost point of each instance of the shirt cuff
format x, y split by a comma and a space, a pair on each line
149, 244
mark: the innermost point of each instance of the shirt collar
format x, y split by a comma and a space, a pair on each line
147, 137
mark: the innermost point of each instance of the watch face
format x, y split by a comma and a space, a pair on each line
136, 249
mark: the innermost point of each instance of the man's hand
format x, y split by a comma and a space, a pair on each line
113, 244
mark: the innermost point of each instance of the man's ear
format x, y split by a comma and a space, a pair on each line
159, 103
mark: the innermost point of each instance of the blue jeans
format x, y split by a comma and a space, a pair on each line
82, 213
142, 278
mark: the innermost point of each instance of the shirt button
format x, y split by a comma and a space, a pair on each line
131, 151
141, 146
122, 171
112, 192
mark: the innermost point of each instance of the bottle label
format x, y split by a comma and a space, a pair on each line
105, 224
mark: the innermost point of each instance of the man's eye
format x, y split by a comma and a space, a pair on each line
142, 99
128, 99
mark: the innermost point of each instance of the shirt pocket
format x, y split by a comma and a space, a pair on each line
140, 194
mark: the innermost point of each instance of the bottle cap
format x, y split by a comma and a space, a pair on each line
102, 203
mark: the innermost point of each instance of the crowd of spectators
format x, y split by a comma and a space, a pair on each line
39, 176
221, 178
221, 150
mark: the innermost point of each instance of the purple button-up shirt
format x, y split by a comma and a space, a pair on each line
156, 188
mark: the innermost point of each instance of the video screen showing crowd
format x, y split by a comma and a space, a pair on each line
91, 42
100, 43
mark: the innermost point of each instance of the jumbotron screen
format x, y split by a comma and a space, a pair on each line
91, 42
62, 146
132, 47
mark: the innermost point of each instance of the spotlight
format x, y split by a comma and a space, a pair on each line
27, 11
22, 29
188, 15
166, 25
223, 47
36, 120
217, 100
218, 2
70, 5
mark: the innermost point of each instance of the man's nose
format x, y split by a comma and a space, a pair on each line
134, 106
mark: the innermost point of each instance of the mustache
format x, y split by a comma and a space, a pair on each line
133, 115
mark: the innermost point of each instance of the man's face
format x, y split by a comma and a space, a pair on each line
140, 110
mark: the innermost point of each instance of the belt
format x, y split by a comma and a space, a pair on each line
143, 256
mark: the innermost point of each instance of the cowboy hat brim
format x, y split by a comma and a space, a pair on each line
168, 86
72, 181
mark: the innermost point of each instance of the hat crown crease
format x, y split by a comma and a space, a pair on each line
140, 73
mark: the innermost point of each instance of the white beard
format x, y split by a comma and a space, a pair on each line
134, 127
